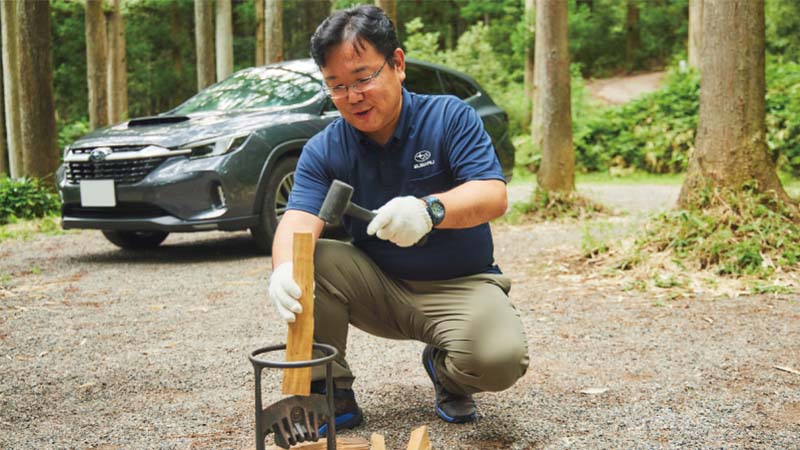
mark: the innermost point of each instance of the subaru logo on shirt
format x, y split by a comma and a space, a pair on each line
99, 154
423, 159
422, 156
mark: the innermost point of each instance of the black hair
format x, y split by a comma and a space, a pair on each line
358, 24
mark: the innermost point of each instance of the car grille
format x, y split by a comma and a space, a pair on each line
121, 211
129, 148
127, 171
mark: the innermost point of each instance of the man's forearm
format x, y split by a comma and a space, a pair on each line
293, 222
473, 203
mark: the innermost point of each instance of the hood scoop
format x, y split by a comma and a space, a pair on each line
156, 120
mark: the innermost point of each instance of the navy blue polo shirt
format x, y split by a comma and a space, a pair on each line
439, 144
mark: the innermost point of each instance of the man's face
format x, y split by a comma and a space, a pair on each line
375, 111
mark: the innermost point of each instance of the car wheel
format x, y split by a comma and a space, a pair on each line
135, 240
276, 197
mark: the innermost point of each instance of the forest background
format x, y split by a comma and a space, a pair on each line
486, 39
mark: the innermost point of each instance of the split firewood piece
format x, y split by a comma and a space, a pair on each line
419, 439
300, 339
377, 442
344, 443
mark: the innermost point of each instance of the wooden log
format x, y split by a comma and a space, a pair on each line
377, 442
419, 439
299, 340
341, 444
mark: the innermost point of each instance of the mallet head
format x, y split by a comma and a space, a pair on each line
336, 201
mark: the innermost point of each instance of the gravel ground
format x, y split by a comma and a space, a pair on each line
101, 348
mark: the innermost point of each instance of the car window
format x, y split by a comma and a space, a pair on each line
458, 86
254, 88
422, 80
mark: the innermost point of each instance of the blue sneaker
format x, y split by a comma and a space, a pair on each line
348, 414
452, 408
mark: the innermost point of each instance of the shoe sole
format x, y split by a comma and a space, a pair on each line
427, 362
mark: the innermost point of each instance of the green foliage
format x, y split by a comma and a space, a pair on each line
598, 34
730, 232
69, 60
783, 109
654, 133
69, 132
25, 198
782, 23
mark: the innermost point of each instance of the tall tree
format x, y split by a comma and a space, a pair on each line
390, 8
260, 33
11, 87
37, 117
96, 63
117, 65
633, 40
530, 22
4, 172
273, 28
204, 42
224, 26
695, 31
552, 119
731, 146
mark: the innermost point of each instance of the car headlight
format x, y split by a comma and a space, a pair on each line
214, 147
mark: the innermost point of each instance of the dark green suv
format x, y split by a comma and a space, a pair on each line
225, 158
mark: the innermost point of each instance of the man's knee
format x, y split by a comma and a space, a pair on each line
501, 368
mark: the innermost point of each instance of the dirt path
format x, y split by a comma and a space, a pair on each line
618, 90
107, 349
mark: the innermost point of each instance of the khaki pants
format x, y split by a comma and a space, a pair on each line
470, 318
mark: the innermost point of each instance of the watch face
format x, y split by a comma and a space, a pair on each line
435, 210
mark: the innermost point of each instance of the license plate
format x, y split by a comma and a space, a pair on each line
98, 193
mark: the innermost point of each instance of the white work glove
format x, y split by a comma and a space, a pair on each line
402, 220
285, 292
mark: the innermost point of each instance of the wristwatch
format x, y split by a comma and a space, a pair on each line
435, 209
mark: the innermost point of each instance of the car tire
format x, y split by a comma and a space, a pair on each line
136, 240
276, 196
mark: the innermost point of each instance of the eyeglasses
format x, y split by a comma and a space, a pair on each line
360, 86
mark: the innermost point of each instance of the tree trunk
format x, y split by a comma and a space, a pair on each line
204, 43
695, 32
4, 172
96, 63
11, 87
731, 147
552, 120
117, 65
224, 28
530, 18
37, 116
632, 36
390, 8
273, 27
260, 33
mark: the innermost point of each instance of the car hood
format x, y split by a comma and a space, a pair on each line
175, 131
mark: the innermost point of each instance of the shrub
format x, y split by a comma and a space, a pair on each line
730, 232
654, 133
25, 198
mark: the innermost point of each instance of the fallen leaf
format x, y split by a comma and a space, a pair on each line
708, 319
594, 391
88, 385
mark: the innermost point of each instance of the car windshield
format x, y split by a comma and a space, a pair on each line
254, 88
